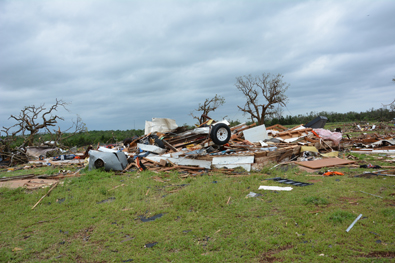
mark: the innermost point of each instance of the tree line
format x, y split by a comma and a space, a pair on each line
372, 115
110, 136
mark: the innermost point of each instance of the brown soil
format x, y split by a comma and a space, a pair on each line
269, 255
380, 254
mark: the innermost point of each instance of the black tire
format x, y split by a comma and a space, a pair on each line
99, 163
158, 142
220, 134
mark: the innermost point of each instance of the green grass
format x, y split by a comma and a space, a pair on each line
81, 221
315, 200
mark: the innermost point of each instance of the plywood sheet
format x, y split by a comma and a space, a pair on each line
324, 163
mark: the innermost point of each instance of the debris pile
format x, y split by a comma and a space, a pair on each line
214, 145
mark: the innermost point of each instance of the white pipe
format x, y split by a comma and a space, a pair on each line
353, 223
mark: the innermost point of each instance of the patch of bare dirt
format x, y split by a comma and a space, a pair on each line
349, 199
380, 254
275, 210
84, 234
269, 256
389, 202
314, 181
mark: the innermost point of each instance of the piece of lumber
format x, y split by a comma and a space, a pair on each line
295, 133
293, 128
50, 190
151, 161
276, 127
128, 167
115, 187
169, 168
169, 145
163, 162
237, 126
245, 128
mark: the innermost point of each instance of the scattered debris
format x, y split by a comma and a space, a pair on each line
370, 166
149, 245
61, 200
353, 223
128, 238
287, 181
274, 188
252, 194
371, 194
332, 173
152, 218
109, 200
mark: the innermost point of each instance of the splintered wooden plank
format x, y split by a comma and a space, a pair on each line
324, 163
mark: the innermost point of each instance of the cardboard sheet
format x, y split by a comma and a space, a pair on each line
324, 163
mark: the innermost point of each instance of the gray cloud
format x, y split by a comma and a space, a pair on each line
123, 62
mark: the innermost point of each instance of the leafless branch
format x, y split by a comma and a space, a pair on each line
271, 88
209, 105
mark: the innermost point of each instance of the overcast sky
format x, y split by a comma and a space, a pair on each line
120, 63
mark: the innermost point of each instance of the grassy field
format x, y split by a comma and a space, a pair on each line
200, 219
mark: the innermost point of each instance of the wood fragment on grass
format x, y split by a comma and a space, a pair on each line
53, 187
158, 179
115, 187
228, 201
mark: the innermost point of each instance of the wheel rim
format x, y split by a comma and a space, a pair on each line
222, 134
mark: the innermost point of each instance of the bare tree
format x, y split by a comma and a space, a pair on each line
30, 121
271, 89
209, 105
